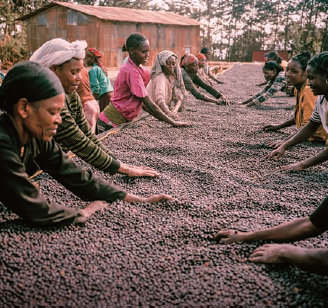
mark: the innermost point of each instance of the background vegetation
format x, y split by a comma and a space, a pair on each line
233, 28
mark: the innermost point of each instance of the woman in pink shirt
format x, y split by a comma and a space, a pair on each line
130, 95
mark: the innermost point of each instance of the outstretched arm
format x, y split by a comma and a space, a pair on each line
297, 229
302, 135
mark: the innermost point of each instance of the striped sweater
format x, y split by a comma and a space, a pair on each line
74, 135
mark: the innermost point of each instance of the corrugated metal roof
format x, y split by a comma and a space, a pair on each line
122, 14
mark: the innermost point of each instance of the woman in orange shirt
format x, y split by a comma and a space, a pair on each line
305, 100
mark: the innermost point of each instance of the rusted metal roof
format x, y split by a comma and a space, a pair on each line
122, 14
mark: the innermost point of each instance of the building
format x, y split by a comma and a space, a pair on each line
106, 28
258, 55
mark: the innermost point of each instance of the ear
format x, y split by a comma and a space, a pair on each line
23, 108
54, 68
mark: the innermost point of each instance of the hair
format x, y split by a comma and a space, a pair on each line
274, 56
320, 63
272, 65
133, 41
303, 58
28, 80
204, 50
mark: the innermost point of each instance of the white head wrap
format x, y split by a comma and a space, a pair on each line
57, 51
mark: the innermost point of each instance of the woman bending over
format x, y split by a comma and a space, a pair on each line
166, 87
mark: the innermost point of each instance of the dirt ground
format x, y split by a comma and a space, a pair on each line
162, 255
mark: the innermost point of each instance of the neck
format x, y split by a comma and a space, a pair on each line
300, 85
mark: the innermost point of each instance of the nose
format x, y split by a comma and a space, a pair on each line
78, 76
58, 119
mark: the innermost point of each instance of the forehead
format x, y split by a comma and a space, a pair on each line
266, 70
73, 64
144, 45
170, 59
294, 64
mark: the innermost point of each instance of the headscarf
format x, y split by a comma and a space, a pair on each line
34, 82
98, 57
200, 56
188, 59
57, 51
271, 65
161, 59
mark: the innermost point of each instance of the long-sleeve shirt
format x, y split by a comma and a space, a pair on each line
74, 134
99, 82
23, 198
270, 89
191, 79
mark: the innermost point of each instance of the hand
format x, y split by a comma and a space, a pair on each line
276, 153
228, 236
174, 115
134, 171
223, 102
294, 167
151, 199
93, 207
181, 124
275, 144
273, 253
271, 128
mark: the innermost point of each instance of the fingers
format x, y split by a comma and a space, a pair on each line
157, 198
94, 207
221, 235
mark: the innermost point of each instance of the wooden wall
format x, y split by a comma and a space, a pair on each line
108, 36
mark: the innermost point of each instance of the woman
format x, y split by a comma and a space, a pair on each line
166, 87
189, 64
130, 94
275, 76
202, 67
27, 127
305, 100
317, 74
99, 81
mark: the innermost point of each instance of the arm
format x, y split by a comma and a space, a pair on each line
156, 112
200, 82
23, 198
302, 135
214, 78
288, 123
310, 259
85, 145
277, 85
297, 229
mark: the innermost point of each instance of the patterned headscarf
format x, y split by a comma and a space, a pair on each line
188, 59
200, 56
161, 60
57, 51
98, 57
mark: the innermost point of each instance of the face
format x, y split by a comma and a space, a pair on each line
42, 118
294, 74
192, 68
69, 74
316, 81
269, 75
89, 59
201, 63
207, 55
170, 65
140, 54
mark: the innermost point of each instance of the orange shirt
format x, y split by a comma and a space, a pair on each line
305, 101
83, 89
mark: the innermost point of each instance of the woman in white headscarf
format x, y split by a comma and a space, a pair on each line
166, 87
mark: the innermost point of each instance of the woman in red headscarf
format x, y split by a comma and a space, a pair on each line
189, 70
99, 82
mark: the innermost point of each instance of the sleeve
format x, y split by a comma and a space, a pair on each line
316, 114
93, 78
189, 85
83, 143
307, 103
276, 86
320, 216
159, 85
137, 85
24, 199
81, 182
200, 82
